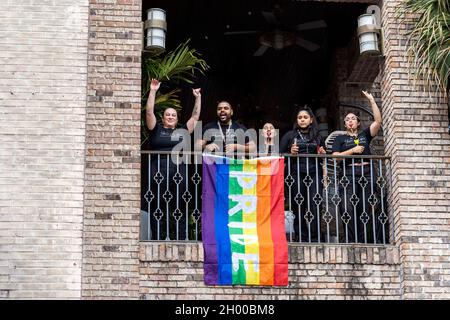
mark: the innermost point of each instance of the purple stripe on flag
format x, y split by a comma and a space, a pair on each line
208, 229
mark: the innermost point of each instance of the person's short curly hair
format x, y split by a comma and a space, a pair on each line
224, 101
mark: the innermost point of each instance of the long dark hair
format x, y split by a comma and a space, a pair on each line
313, 132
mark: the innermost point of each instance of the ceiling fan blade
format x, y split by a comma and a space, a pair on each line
230, 33
311, 25
270, 17
308, 45
260, 51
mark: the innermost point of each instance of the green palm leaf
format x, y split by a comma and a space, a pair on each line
429, 40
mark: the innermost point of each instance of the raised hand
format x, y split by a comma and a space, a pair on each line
196, 92
368, 95
154, 85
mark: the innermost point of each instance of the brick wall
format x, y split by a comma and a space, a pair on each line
416, 137
175, 271
112, 192
70, 173
43, 57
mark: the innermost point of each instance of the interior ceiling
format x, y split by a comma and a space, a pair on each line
267, 86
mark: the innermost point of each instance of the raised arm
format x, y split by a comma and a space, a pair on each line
150, 108
376, 125
196, 111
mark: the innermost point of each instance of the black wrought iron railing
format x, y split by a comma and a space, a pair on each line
328, 199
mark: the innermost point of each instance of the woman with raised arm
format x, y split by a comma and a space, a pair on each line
356, 142
304, 138
170, 117
164, 137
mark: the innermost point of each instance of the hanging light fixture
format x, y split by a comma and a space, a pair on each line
369, 31
155, 30
367, 34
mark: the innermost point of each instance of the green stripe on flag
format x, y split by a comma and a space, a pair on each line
239, 276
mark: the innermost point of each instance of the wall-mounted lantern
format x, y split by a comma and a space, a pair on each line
155, 28
369, 31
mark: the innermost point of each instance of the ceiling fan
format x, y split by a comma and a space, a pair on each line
281, 36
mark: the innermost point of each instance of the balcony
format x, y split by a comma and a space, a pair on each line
328, 199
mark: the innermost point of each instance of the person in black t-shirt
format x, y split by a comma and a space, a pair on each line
162, 139
304, 138
226, 135
357, 143
172, 223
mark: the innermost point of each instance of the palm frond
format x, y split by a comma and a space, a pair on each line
181, 64
429, 40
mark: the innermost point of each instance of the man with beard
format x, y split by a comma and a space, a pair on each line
226, 135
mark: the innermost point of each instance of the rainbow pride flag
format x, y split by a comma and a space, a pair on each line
243, 228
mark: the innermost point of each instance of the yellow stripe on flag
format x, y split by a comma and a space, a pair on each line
252, 274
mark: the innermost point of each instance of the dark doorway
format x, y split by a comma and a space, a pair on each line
264, 86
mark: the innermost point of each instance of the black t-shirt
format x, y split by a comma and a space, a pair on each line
306, 145
345, 142
226, 134
163, 139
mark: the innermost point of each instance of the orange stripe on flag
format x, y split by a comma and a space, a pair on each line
266, 254
277, 223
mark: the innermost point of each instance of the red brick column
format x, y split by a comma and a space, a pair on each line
112, 175
416, 137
